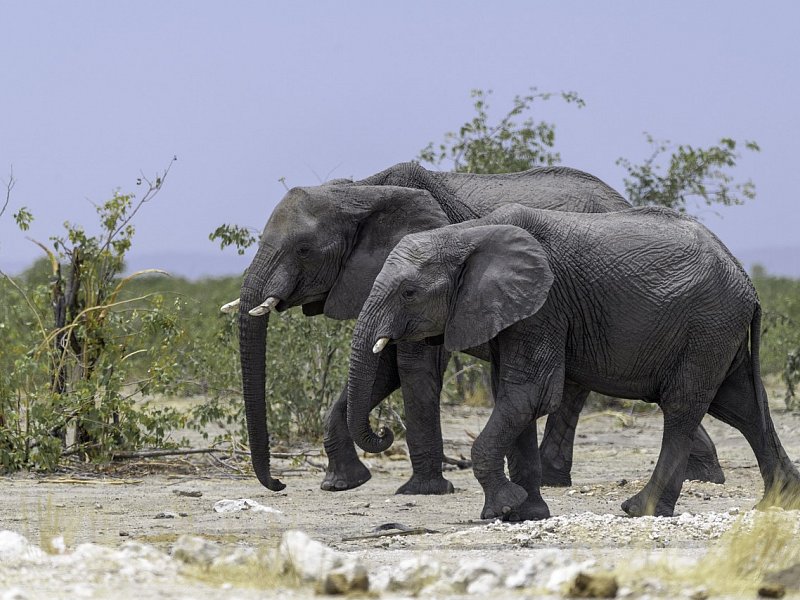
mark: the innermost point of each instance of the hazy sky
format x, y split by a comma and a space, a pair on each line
244, 93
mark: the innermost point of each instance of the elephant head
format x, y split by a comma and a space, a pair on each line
322, 248
466, 282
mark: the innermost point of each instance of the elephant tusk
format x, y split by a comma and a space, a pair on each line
266, 306
230, 306
380, 345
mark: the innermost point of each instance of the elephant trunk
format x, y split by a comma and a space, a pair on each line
363, 369
252, 354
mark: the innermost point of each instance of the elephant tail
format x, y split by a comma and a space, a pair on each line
755, 364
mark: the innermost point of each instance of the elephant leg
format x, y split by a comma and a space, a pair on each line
510, 431
682, 416
345, 469
421, 369
559, 437
738, 404
703, 463
525, 469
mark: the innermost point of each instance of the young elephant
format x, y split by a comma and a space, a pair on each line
642, 303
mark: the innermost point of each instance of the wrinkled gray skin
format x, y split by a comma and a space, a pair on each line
642, 303
323, 247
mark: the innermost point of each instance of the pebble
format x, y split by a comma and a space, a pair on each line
188, 493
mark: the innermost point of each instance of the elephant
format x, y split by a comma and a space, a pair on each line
322, 248
641, 303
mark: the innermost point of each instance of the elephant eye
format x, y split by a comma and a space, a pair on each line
409, 293
303, 251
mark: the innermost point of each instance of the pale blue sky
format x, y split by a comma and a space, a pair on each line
247, 92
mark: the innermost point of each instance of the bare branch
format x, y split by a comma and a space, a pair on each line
9, 186
152, 190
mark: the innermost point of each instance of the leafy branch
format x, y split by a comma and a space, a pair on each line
686, 174
504, 147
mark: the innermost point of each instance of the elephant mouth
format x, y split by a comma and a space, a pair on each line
311, 305
434, 340
315, 305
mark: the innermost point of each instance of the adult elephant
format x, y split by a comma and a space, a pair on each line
642, 303
322, 248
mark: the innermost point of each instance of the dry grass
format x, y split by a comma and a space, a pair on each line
261, 572
758, 544
751, 550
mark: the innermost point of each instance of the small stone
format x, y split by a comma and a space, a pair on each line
188, 493
165, 515
771, 590
350, 577
700, 593
788, 578
57, 545
233, 506
622, 482
598, 585
123, 534
98, 506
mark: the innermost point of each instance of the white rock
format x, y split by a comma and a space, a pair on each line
88, 554
438, 589
228, 506
565, 574
236, 557
14, 546
478, 576
415, 574
195, 550
334, 572
138, 550
58, 545
350, 577
483, 584
14, 594
524, 576
310, 559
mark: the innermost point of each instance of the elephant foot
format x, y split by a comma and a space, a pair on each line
345, 476
426, 486
529, 510
508, 497
642, 505
554, 477
704, 470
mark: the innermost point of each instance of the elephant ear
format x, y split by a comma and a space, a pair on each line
383, 215
504, 279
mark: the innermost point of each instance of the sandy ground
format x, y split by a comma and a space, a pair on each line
155, 502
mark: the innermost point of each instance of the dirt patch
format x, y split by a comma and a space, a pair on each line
134, 516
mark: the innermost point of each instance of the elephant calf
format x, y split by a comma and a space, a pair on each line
642, 303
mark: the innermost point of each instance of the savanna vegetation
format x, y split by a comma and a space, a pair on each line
90, 352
